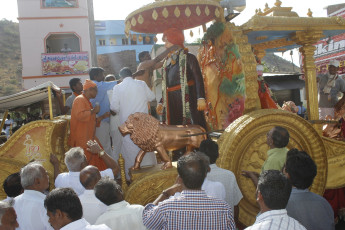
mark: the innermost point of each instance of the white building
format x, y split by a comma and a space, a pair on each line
55, 40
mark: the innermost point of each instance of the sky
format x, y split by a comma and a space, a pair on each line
118, 10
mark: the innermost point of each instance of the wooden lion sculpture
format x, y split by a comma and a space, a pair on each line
149, 135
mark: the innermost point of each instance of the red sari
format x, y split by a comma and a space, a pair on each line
265, 97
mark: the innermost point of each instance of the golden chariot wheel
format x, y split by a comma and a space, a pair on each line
243, 147
147, 188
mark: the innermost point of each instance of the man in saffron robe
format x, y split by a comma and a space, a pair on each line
182, 84
83, 123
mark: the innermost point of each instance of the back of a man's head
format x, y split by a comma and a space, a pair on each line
125, 72
275, 189
280, 137
12, 185
89, 176
65, 200
192, 170
29, 173
94, 72
74, 159
108, 191
301, 168
210, 148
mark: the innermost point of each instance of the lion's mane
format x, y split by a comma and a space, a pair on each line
145, 129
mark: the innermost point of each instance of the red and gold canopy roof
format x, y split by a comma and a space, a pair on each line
181, 14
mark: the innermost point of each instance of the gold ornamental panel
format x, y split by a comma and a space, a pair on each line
34, 142
243, 147
336, 162
147, 188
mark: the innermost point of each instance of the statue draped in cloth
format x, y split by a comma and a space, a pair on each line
182, 85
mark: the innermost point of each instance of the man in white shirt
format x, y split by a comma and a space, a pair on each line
65, 211
116, 137
212, 188
329, 86
131, 96
120, 214
233, 193
29, 205
75, 161
92, 207
8, 217
272, 194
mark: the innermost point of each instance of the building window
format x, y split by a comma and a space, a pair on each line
101, 42
62, 43
112, 41
59, 3
124, 41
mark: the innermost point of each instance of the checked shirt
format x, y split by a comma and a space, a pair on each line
192, 210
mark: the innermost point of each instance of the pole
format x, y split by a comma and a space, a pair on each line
3, 119
50, 102
64, 98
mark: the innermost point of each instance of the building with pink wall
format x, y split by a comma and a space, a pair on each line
55, 40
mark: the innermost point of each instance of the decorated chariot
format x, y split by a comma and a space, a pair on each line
228, 58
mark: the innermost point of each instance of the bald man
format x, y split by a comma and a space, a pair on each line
92, 207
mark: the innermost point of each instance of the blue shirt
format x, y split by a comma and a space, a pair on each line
311, 210
102, 97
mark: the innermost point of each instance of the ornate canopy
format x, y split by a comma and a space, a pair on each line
181, 14
278, 29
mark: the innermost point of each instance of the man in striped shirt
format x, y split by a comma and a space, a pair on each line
272, 194
193, 209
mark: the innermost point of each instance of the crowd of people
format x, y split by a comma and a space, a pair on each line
204, 196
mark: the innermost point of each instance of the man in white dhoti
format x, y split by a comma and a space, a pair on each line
116, 137
131, 96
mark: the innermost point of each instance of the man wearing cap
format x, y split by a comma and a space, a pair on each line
83, 123
330, 85
131, 96
183, 100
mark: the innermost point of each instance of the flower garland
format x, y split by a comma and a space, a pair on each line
182, 55
164, 90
